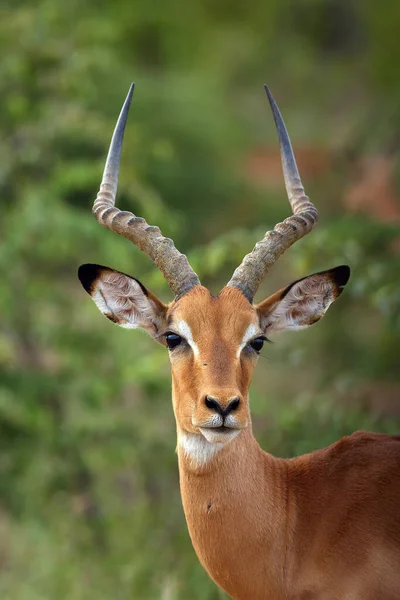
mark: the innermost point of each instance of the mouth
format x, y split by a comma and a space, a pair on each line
222, 429
219, 435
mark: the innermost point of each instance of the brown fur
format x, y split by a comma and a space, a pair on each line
324, 526
218, 325
321, 526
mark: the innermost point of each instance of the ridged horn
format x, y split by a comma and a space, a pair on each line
255, 265
172, 264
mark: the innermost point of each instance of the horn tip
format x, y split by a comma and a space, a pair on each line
130, 92
270, 96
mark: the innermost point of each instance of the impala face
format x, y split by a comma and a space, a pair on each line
213, 342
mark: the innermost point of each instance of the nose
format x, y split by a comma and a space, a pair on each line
214, 404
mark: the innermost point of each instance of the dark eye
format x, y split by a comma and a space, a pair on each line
173, 340
257, 344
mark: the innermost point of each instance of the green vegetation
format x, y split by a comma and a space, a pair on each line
89, 499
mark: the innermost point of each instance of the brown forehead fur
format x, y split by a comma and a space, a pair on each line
225, 316
217, 324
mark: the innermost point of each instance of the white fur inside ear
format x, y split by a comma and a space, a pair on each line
304, 304
123, 301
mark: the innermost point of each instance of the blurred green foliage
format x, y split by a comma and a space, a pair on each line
89, 499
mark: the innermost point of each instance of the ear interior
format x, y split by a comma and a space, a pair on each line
123, 299
304, 302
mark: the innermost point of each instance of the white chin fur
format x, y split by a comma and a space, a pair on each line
216, 437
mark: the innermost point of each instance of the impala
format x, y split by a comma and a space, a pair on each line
321, 526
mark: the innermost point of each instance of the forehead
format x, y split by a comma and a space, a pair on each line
228, 314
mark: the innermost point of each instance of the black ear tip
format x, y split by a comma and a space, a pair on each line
341, 275
87, 275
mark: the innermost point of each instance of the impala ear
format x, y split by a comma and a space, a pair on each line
123, 299
304, 302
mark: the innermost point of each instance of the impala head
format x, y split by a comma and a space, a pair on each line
213, 341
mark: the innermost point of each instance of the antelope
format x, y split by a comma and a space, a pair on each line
323, 526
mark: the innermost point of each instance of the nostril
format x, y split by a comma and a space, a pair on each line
213, 404
233, 404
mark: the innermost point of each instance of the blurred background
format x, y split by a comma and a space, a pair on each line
89, 499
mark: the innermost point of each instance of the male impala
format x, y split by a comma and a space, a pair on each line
321, 526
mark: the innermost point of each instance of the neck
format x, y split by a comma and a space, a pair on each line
198, 456
234, 497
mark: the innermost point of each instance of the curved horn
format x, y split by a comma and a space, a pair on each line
255, 265
172, 264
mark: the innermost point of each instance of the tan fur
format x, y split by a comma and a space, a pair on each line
324, 526
218, 325
313, 527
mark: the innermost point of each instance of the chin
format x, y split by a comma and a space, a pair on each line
219, 435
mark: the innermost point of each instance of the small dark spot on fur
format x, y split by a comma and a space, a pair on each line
204, 364
209, 505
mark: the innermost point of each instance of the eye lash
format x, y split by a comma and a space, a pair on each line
170, 332
256, 344
261, 337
